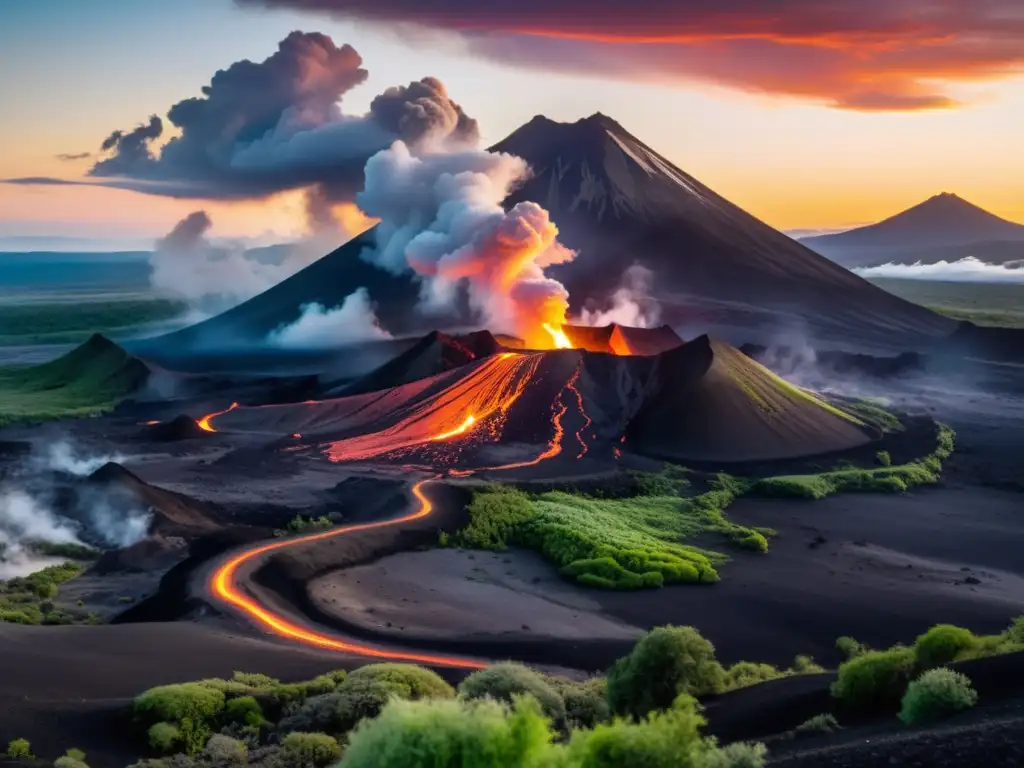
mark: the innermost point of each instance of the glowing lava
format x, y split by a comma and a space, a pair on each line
558, 337
571, 384
459, 430
204, 423
222, 584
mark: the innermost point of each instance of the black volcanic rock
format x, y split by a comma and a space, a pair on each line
181, 427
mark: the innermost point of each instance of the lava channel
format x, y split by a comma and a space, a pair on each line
222, 585
204, 423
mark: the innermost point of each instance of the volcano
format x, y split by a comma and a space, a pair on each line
699, 401
618, 203
944, 227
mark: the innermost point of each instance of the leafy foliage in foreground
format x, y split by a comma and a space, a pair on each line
486, 734
938, 693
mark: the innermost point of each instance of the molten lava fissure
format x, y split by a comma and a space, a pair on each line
558, 337
222, 584
587, 421
459, 430
204, 423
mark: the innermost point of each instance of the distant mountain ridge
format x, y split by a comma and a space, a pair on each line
618, 202
944, 227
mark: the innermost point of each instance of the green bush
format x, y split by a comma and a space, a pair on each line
174, 703
666, 662
68, 762
942, 644
164, 737
823, 723
884, 459
746, 673
850, 648
503, 682
875, 679
19, 749
365, 691
299, 750
586, 703
75, 754
1015, 632
938, 693
486, 734
805, 665
244, 710
436, 734
224, 752
493, 516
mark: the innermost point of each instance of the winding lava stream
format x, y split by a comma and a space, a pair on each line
222, 582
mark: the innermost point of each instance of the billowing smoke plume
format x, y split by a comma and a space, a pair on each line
263, 127
33, 514
967, 270
322, 328
631, 304
441, 215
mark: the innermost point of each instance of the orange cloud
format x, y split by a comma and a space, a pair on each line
850, 54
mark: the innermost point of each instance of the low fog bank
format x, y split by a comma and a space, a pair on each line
966, 270
45, 504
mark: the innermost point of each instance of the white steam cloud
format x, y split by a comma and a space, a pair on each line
322, 328
30, 515
632, 303
966, 270
441, 215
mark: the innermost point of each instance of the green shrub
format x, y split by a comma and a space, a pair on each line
299, 750
823, 723
68, 762
1015, 632
666, 662
18, 749
938, 693
365, 691
753, 541
164, 737
224, 752
75, 754
875, 679
884, 458
746, 673
469, 734
850, 648
942, 644
503, 682
586, 703
668, 739
486, 734
174, 703
244, 710
493, 516
805, 665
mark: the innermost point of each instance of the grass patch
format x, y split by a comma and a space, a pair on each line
300, 524
87, 381
626, 543
72, 322
29, 599
923, 471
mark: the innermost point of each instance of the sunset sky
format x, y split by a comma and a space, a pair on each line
820, 114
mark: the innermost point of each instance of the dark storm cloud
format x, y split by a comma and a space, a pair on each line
851, 54
263, 127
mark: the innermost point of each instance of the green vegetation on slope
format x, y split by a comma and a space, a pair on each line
29, 599
612, 543
89, 380
72, 322
924, 471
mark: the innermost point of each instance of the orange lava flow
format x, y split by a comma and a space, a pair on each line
558, 337
204, 423
459, 430
486, 393
571, 384
222, 585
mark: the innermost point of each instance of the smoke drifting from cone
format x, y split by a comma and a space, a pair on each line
441, 216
